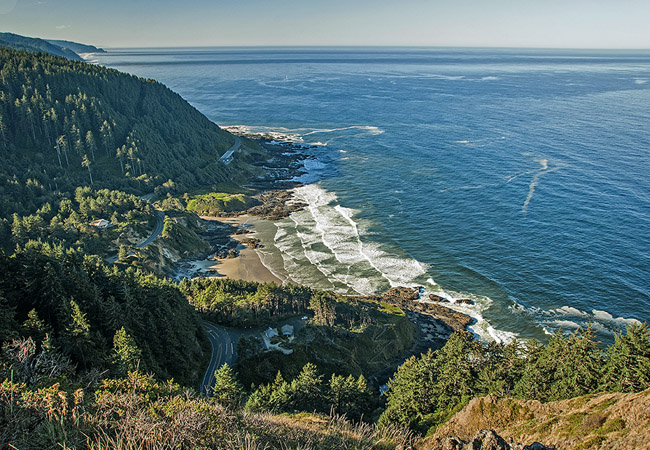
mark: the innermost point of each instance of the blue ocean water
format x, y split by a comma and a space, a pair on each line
517, 178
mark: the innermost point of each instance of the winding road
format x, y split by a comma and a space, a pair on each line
160, 222
157, 230
226, 158
224, 351
224, 345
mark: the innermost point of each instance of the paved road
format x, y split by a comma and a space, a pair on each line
226, 158
160, 223
224, 351
224, 345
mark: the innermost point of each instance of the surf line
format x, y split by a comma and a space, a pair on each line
535, 181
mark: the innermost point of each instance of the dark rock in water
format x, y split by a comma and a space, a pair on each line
454, 319
275, 205
402, 293
242, 231
251, 242
437, 298
406, 299
464, 301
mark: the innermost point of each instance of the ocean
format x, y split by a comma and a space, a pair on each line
515, 178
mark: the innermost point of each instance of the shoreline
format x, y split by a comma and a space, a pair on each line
277, 201
285, 164
248, 265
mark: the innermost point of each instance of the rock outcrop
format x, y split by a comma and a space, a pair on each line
437, 298
275, 205
484, 440
604, 421
402, 293
251, 242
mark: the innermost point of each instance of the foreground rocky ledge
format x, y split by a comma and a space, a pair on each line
605, 421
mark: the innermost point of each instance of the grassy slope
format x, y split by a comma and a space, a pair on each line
217, 202
138, 412
612, 421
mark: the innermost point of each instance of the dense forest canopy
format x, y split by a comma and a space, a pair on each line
65, 124
98, 316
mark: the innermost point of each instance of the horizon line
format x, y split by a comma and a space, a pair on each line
465, 47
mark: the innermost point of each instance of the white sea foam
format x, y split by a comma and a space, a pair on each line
462, 188
479, 142
345, 256
481, 328
569, 311
569, 318
605, 317
365, 129
303, 135
535, 181
565, 324
328, 237
313, 164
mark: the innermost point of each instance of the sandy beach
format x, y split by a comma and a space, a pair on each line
247, 266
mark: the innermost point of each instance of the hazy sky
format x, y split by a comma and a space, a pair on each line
500, 23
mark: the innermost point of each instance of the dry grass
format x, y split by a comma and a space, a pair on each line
138, 413
606, 421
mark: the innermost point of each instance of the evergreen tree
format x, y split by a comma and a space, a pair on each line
126, 353
85, 162
567, 367
8, 324
348, 395
35, 327
227, 390
627, 363
411, 394
123, 253
80, 327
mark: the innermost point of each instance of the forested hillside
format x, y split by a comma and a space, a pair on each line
65, 124
18, 42
76, 46
426, 391
75, 308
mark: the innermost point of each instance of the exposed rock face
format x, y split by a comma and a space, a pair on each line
611, 421
276, 204
533, 446
226, 253
437, 298
406, 298
464, 301
456, 320
484, 440
402, 293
